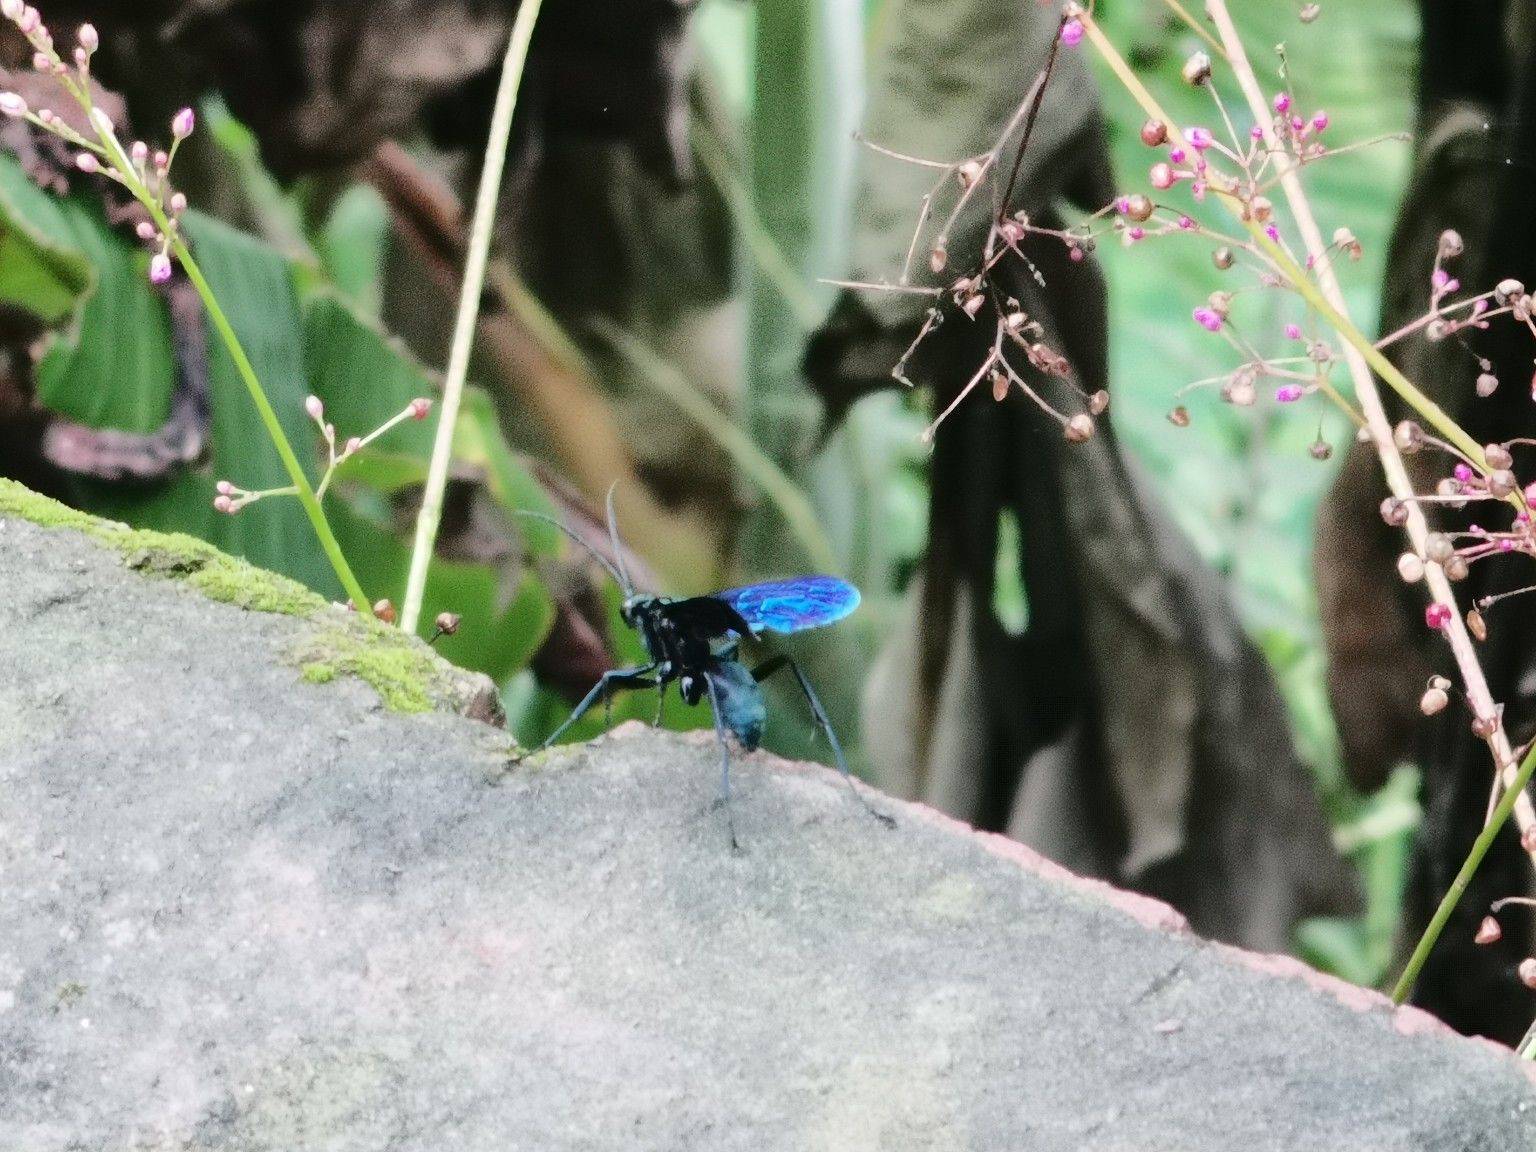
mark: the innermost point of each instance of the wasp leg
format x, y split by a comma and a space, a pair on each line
725, 762
618, 678
777, 663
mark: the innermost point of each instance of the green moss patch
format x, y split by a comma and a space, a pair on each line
405, 673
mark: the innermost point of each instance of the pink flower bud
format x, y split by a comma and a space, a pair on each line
139, 152
1186, 223
1256, 133
1320, 121
82, 58
1162, 176
12, 104
159, 268
162, 160
88, 38
11, 9
42, 62
1208, 319
222, 503
1437, 616
1282, 102
224, 488
1177, 155
146, 232
1137, 233
31, 20
1072, 33
354, 444
87, 163
1288, 393
1199, 138
178, 204
315, 409
420, 407
183, 123
1293, 332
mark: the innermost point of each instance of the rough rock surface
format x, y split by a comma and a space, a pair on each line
243, 912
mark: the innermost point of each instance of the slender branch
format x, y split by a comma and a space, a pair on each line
291, 465
469, 309
1469, 867
1361, 355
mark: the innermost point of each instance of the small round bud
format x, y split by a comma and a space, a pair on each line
384, 611
1154, 133
1138, 207
1437, 616
1456, 568
315, 408
1508, 291
353, 444
938, 259
1433, 701
1261, 208
447, 623
159, 268
1000, 384
224, 504
1320, 449
1502, 483
1197, 69
87, 163
1410, 568
1488, 932
1098, 403
1438, 547
1498, 456
968, 173
420, 407
1079, 428
138, 152
1394, 512
178, 203
1451, 243
183, 123
1179, 417
1223, 258
87, 38
1487, 384
1408, 436
224, 488
11, 9
1309, 12
973, 304
1477, 625
1528, 839
1072, 33
12, 105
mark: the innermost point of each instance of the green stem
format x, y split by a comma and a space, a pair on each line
1469, 867
469, 310
302, 488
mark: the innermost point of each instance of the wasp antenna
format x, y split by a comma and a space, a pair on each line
622, 580
613, 538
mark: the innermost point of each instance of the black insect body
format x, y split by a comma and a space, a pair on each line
696, 642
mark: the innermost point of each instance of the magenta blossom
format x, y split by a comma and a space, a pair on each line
1208, 318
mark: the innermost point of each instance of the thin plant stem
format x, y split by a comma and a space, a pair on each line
1480, 846
301, 485
469, 310
1360, 357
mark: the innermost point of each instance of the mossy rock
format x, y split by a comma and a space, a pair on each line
405, 672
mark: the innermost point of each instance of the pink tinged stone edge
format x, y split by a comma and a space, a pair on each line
1149, 912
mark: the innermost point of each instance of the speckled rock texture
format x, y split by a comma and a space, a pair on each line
240, 911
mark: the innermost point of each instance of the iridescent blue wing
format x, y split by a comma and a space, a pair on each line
793, 605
